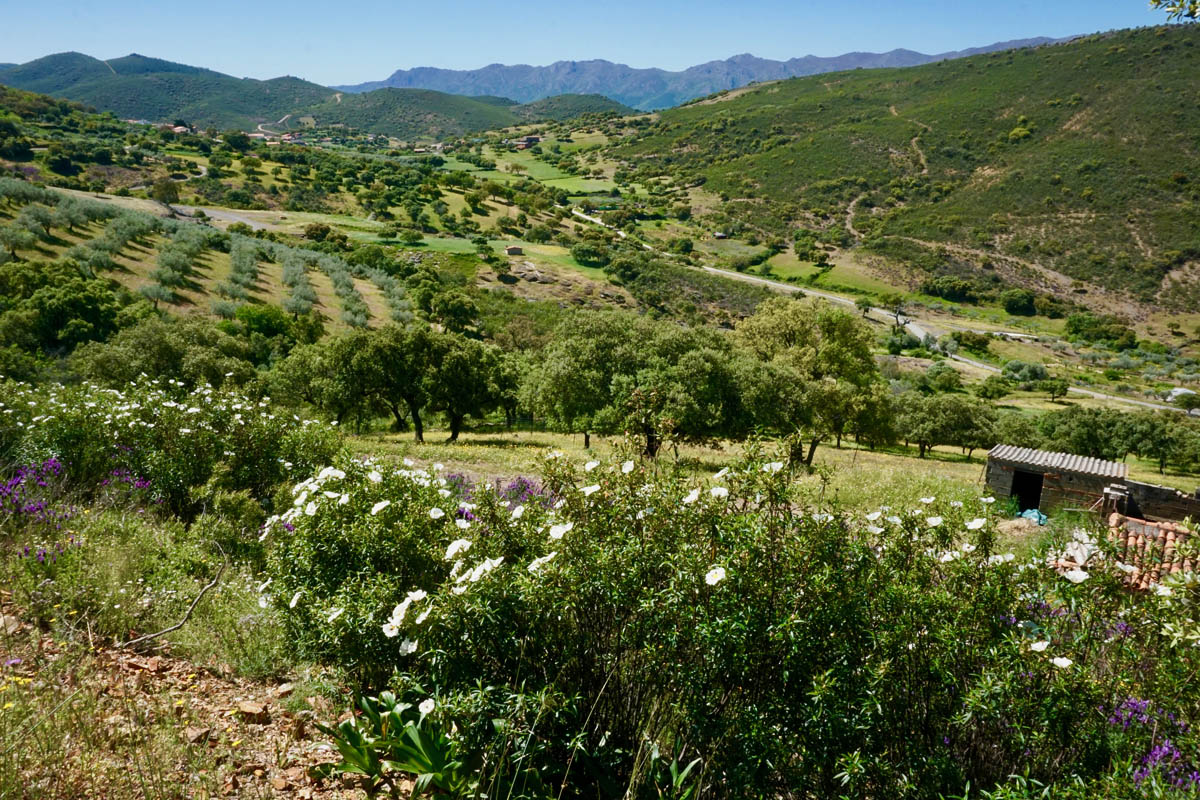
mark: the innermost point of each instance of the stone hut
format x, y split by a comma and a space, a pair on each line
1044, 480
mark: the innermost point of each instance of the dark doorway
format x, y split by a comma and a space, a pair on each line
1027, 488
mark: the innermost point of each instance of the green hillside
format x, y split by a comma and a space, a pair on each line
150, 88
409, 113
1079, 157
569, 106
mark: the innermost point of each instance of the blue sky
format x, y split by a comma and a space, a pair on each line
350, 42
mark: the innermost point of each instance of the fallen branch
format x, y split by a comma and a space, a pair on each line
186, 616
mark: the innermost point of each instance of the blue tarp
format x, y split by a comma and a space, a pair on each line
1034, 515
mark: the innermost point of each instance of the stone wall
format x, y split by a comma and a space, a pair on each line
1161, 502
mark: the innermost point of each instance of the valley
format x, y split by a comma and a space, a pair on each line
826, 427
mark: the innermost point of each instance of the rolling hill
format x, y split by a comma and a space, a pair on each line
1062, 164
648, 89
413, 113
140, 87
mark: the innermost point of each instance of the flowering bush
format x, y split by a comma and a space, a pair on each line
174, 440
897, 653
30, 498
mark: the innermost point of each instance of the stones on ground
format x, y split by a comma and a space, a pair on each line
253, 712
197, 735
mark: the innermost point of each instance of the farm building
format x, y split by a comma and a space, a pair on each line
1044, 480
1040, 479
513, 250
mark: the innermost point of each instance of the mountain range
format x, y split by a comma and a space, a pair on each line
140, 87
649, 89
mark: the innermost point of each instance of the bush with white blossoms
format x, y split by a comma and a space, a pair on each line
177, 440
784, 645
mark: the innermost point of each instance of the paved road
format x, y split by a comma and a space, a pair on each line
917, 330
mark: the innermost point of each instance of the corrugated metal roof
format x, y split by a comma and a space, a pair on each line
1066, 462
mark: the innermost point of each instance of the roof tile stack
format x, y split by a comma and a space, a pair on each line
1151, 547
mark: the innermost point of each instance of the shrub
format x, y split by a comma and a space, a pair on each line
783, 644
177, 440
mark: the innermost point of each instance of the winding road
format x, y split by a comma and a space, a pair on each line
919, 331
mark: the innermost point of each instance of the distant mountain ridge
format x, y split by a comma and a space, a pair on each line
140, 87
649, 89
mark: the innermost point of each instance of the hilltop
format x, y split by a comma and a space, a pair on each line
139, 87
413, 113
1068, 168
649, 89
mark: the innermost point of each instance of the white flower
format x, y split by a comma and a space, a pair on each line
627, 467
337, 612
928, 500
456, 547
773, 466
933, 521
721, 474
1075, 575
262, 601
874, 515
956, 503
588, 491
262, 587
538, 563
976, 524
390, 629
948, 556
1039, 647
408, 647
426, 707
715, 576
968, 548
591, 465
691, 497
875, 529
345, 498
310, 509
1126, 568
517, 512
436, 513
295, 599
1162, 591
416, 595
988, 500
1061, 662
487, 566
421, 617
719, 491
444, 493
438, 467
894, 519
557, 531
374, 477
1001, 559
462, 524
380, 506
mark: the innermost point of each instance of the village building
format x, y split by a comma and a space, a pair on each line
1043, 480
513, 250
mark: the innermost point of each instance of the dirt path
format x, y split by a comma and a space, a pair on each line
850, 216
916, 140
